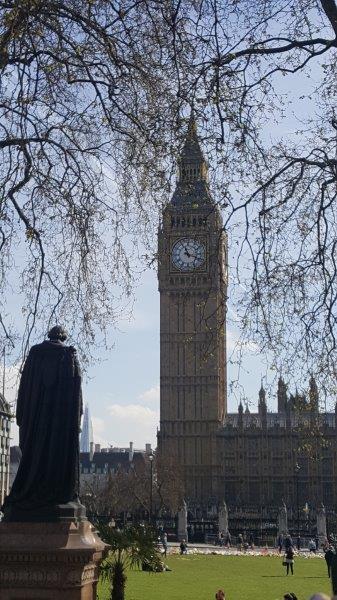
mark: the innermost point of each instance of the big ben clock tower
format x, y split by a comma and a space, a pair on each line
193, 289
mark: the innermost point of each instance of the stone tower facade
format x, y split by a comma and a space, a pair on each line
192, 275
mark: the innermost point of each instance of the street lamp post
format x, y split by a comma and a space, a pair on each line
297, 472
151, 457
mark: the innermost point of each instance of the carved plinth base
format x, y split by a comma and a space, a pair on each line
49, 561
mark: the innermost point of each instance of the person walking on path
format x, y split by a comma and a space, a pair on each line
289, 560
164, 542
288, 543
328, 555
280, 543
298, 542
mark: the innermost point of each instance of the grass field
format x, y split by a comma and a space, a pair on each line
197, 577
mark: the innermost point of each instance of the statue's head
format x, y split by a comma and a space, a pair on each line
57, 333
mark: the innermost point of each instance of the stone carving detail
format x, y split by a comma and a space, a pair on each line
74, 577
30, 577
25, 577
13, 557
88, 574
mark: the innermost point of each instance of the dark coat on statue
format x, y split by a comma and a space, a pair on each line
49, 409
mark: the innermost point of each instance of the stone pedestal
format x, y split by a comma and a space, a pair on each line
49, 561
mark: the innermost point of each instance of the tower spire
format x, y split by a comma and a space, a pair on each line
192, 164
192, 182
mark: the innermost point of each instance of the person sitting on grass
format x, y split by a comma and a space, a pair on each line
159, 568
320, 597
220, 595
290, 596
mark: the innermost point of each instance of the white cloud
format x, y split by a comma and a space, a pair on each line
132, 411
131, 422
122, 422
150, 396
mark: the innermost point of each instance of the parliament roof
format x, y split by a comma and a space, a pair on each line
109, 460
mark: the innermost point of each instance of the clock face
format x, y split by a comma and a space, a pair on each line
188, 254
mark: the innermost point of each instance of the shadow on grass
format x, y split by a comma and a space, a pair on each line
297, 577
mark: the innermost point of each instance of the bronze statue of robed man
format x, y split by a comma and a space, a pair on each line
49, 409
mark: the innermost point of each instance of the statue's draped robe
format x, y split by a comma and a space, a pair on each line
48, 413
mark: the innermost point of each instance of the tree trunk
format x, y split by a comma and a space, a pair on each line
118, 582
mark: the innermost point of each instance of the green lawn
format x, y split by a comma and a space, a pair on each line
197, 577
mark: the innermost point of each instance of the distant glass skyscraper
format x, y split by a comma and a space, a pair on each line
87, 436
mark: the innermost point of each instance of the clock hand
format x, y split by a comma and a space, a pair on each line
187, 253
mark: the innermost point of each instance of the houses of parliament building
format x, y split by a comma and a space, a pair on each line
247, 459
